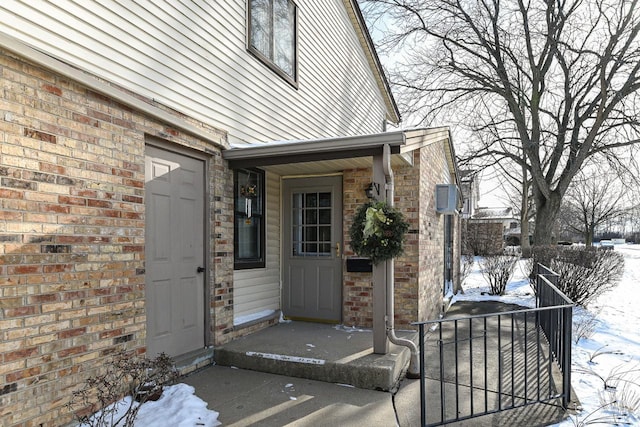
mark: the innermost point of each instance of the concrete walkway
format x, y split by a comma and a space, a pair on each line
246, 397
250, 398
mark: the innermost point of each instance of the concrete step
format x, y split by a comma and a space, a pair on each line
319, 352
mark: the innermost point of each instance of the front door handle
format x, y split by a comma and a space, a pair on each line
338, 249
201, 270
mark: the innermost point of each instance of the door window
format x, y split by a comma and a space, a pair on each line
311, 233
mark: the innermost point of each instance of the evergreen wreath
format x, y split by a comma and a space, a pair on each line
378, 231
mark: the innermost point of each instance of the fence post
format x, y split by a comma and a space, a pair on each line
553, 278
566, 357
559, 328
423, 394
536, 283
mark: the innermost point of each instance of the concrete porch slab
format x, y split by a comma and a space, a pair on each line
247, 398
330, 353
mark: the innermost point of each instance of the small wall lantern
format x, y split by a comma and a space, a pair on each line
369, 191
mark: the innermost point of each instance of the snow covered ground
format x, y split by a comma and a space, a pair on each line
177, 407
606, 356
606, 365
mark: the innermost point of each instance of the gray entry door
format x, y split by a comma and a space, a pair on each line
174, 252
312, 244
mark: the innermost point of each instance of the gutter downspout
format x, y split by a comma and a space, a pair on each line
414, 369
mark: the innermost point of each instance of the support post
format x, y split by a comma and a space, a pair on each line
380, 341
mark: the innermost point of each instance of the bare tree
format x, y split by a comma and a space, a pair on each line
517, 185
632, 221
594, 198
525, 245
543, 84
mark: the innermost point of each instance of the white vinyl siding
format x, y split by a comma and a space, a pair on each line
259, 289
192, 57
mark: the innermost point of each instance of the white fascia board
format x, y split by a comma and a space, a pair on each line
421, 137
314, 146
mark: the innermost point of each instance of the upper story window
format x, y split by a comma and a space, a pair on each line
272, 35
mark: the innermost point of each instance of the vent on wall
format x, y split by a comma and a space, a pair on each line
446, 199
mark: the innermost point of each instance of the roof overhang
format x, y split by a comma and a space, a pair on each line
336, 154
312, 150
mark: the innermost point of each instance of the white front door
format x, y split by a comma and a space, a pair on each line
174, 252
312, 244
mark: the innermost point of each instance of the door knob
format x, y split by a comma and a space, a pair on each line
201, 269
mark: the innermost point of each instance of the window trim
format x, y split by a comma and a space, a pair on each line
252, 263
293, 81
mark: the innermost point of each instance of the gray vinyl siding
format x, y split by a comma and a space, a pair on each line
191, 56
259, 289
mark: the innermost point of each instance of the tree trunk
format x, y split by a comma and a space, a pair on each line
590, 233
525, 246
547, 210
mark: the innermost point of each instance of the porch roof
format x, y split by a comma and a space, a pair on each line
335, 154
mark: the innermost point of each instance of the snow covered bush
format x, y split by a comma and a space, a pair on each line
497, 270
585, 273
124, 374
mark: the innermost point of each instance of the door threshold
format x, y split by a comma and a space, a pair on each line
312, 320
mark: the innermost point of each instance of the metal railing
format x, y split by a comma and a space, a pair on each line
487, 363
557, 324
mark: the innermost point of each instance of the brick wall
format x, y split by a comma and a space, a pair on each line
72, 237
419, 272
407, 266
433, 171
221, 248
357, 291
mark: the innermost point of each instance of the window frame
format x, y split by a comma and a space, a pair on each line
301, 213
270, 63
250, 263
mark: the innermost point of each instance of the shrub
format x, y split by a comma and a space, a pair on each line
96, 404
584, 325
544, 255
526, 268
585, 273
497, 270
483, 239
466, 265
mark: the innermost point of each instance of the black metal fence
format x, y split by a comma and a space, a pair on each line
487, 363
556, 322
